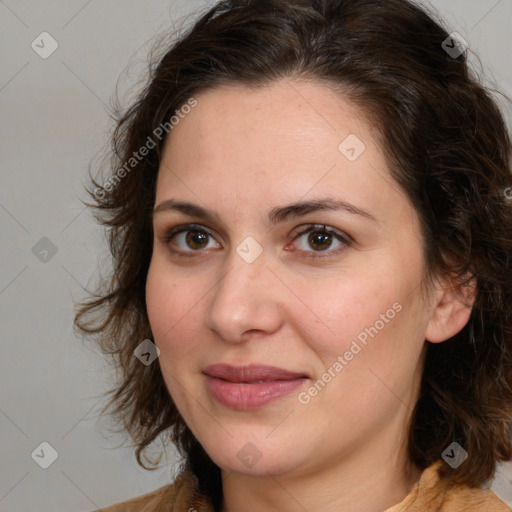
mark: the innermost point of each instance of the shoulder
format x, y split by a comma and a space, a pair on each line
141, 503
180, 496
431, 494
466, 498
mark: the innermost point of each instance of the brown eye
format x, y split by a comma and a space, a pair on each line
321, 239
196, 239
189, 239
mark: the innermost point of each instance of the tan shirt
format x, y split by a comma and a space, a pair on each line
430, 494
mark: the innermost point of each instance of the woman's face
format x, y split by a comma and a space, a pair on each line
291, 336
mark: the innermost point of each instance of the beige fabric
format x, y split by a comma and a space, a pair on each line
180, 496
429, 495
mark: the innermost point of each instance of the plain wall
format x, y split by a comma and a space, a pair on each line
54, 119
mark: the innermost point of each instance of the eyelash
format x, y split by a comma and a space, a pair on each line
311, 228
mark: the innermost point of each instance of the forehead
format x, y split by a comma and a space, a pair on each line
285, 115
274, 144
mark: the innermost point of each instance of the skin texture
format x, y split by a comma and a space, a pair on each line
242, 152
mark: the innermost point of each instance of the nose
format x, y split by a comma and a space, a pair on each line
248, 299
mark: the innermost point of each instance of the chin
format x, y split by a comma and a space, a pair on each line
256, 457
262, 467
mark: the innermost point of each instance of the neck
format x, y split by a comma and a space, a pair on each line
372, 481
370, 491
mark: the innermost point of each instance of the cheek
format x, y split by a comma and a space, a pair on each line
344, 309
174, 307
158, 293
168, 303
372, 319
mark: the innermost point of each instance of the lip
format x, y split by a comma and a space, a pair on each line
250, 386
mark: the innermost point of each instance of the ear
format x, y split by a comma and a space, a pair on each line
452, 307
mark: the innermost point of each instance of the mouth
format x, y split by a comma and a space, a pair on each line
251, 386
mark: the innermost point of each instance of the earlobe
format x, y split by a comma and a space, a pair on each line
451, 311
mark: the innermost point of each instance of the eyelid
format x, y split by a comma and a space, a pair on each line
172, 232
186, 227
341, 236
305, 228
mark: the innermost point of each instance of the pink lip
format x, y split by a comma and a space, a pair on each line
250, 387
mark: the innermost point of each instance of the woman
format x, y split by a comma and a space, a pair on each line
310, 227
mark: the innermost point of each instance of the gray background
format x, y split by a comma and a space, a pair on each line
54, 120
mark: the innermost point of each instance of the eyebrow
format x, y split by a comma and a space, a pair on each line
275, 216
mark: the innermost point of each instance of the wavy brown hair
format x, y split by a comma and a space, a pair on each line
447, 147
